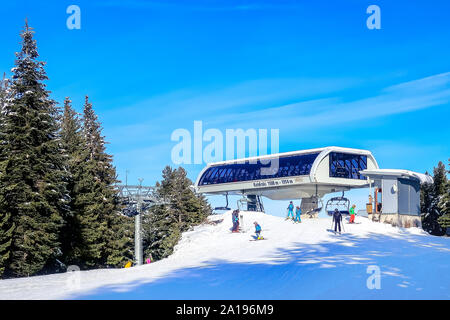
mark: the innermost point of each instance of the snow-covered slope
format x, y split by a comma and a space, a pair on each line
297, 261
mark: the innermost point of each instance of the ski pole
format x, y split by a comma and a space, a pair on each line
343, 229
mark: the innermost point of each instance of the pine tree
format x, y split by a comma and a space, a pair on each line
71, 134
161, 228
6, 231
426, 197
431, 197
120, 245
4, 93
183, 209
6, 224
191, 209
440, 179
32, 183
106, 235
74, 145
444, 206
160, 232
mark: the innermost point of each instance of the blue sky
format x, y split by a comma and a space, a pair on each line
311, 69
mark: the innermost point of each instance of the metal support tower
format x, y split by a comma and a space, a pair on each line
138, 199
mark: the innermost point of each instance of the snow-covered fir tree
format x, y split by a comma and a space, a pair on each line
74, 145
431, 196
160, 232
444, 206
4, 92
426, 197
106, 236
33, 179
6, 224
182, 210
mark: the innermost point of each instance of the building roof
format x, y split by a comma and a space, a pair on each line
295, 174
292, 153
399, 173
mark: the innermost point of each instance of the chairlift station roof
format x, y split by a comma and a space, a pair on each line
297, 174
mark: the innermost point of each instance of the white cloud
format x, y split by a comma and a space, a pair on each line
405, 97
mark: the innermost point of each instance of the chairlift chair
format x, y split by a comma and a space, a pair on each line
242, 202
341, 203
252, 203
225, 208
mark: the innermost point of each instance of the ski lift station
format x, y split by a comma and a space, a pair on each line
394, 195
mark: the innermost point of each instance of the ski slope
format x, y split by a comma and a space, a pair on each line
297, 261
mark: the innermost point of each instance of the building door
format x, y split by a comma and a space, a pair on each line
390, 192
409, 196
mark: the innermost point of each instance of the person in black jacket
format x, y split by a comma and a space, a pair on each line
337, 218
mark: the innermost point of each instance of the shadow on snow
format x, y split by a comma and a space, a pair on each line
412, 267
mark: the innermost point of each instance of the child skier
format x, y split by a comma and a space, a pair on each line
352, 214
258, 231
290, 209
298, 212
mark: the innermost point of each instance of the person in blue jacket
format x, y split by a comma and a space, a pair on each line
298, 213
257, 231
290, 209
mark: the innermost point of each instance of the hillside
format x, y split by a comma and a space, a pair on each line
296, 261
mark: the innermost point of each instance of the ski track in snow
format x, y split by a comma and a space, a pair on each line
297, 261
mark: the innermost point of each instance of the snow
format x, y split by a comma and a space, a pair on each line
296, 261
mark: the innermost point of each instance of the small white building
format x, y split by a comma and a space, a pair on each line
396, 196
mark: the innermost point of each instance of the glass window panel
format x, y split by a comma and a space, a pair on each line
288, 166
347, 166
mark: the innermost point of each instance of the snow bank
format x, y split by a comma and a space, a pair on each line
296, 261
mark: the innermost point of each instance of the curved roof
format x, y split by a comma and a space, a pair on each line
297, 171
326, 151
271, 156
423, 178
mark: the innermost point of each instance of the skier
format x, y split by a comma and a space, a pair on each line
337, 218
258, 231
290, 209
235, 218
352, 214
298, 212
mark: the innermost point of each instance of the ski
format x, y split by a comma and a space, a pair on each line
335, 232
